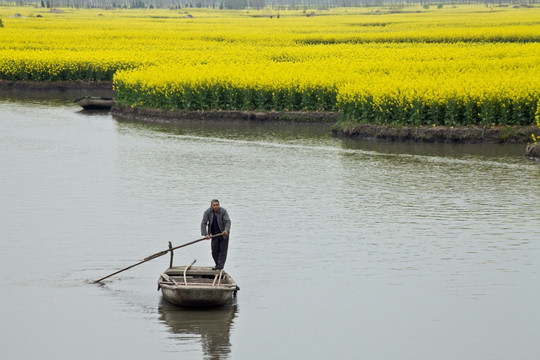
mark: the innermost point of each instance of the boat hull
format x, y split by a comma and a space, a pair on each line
196, 297
204, 287
95, 103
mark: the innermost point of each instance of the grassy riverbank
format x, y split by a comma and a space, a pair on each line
460, 134
444, 134
463, 66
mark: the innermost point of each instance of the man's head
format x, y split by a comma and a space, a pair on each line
214, 204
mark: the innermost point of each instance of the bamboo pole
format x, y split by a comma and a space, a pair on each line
220, 275
172, 254
156, 255
186, 269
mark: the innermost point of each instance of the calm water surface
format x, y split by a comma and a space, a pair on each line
342, 249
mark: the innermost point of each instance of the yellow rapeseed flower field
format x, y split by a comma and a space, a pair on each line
452, 66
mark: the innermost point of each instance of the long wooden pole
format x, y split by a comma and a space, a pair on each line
156, 255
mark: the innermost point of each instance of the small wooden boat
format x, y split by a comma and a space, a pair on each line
95, 103
197, 286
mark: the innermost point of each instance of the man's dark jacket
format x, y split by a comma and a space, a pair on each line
223, 220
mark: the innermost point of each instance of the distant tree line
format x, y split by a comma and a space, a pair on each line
253, 4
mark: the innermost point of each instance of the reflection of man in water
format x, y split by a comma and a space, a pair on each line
213, 326
216, 220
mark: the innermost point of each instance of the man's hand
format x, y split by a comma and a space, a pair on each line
225, 233
207, 237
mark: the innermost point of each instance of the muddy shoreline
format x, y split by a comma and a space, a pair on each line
442, 134
55, 85
473, 134
171, 116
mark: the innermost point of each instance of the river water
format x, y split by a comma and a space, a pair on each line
342, 249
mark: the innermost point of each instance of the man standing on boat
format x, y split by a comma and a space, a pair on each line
215, 221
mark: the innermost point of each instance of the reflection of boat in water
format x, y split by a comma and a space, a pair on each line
213, 325
197, 286
95, 103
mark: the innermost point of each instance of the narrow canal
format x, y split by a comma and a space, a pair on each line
342, 249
